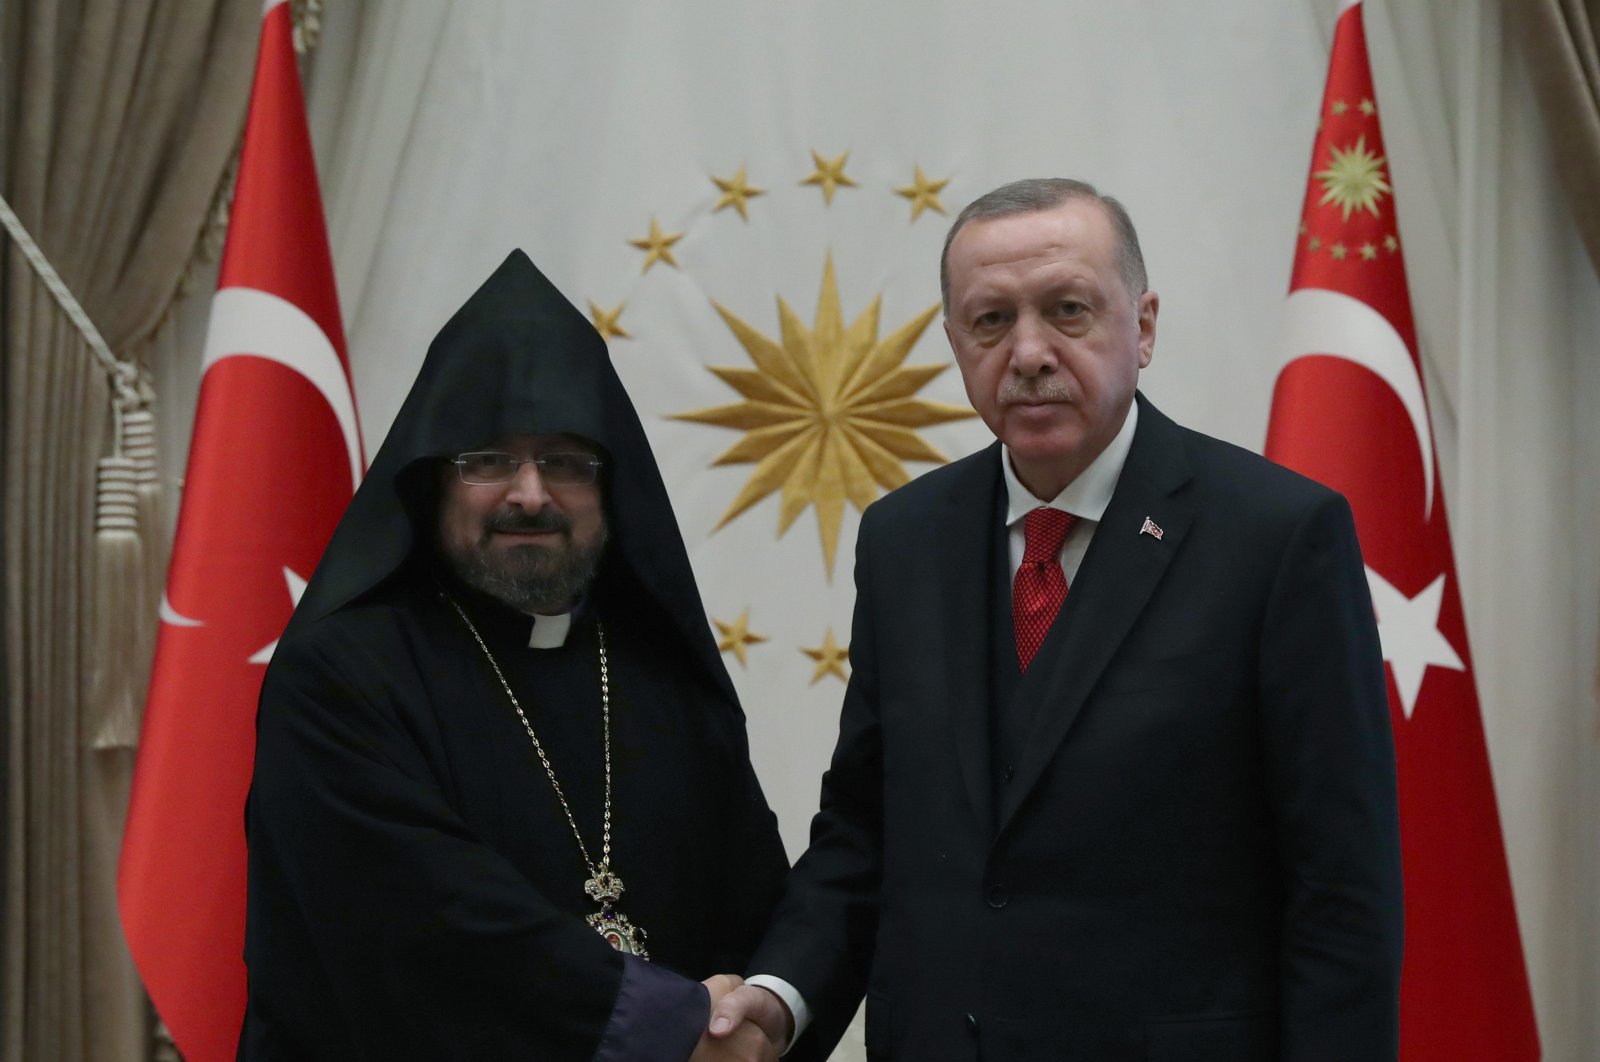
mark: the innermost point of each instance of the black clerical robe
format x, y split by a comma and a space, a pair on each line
416, 890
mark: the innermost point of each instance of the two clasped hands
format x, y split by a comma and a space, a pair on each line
747, 1024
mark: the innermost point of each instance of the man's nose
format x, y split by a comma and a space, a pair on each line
527, 488
1033, 352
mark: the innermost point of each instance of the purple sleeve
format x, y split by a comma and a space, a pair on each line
658, 1017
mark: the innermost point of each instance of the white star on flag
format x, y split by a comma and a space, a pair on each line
1408, 627
297, 587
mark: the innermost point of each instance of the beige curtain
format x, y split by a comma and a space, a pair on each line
117, 121
1563, 53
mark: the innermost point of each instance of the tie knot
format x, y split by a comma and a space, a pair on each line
1043, 531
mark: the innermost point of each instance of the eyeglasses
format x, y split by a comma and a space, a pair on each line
484, 467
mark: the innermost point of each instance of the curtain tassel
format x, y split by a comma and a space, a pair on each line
125, 587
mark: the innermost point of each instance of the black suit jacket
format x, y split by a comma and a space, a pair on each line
1196, 855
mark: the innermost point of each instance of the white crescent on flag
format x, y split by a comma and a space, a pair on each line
263, 325
174, 617
1319, 321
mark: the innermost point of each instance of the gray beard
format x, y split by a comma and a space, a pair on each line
531, 578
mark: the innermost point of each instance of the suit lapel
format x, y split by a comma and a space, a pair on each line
968, 533
1113, 585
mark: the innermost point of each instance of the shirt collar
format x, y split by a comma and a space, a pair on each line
550, 632
1085, 497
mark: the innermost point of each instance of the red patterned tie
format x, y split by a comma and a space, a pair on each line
1040, 586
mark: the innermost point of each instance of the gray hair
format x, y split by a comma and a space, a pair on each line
1046, 193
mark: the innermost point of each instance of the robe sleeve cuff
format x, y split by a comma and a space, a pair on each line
658, 1015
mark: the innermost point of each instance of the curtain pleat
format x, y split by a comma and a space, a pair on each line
1558, 39
117, 121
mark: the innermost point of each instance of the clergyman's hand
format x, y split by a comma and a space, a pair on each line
747, 1003
720, 985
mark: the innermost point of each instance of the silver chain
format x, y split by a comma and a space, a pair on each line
605, 714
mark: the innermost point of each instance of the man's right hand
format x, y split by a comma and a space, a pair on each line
746, 1043
746, 1004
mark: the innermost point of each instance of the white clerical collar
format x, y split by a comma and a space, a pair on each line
1085, 497
550, 632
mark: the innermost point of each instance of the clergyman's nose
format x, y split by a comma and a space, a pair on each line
527, 488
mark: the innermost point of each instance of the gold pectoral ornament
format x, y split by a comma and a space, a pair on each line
603, 886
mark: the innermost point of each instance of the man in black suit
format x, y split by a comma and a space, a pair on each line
1117, 784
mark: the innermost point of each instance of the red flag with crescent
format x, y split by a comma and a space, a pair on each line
1350, 410
275, 457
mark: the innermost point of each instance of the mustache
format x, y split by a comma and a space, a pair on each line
518, 522
1034, 389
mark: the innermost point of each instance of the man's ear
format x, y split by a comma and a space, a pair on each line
1149, 306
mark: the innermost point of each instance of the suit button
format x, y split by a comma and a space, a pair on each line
997, 896
972, 1024
1009, 773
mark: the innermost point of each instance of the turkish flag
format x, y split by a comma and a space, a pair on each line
275, 457
1351, 411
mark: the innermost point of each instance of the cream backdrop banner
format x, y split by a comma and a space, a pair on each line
448, 134
574, 131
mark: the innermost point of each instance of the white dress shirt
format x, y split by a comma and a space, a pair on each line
1085, 497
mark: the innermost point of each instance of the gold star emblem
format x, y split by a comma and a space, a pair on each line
1369, 252
1353, 179
1339, 107
1368, 108
605, 322
657, 246
1314, 243
1338, 251
736, 193
1391, 244
923, 194
830, 657
1304, 228
829, 412
829, 174
736, 636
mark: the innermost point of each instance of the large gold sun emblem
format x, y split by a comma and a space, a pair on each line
1353, 179
829, 412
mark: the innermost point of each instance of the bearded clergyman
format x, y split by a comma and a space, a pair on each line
503, 805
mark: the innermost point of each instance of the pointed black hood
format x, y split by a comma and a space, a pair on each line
516, 358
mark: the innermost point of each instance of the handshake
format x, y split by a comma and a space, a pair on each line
747, 1024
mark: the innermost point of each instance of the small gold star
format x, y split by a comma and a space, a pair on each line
829, 174
1369, 252
736, 193
1339, 107
1368, 108
1315, 244
1304, 228
605, 322
1391, 244
1338, 251
736, 636
830, 658
923, 194
657, 246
